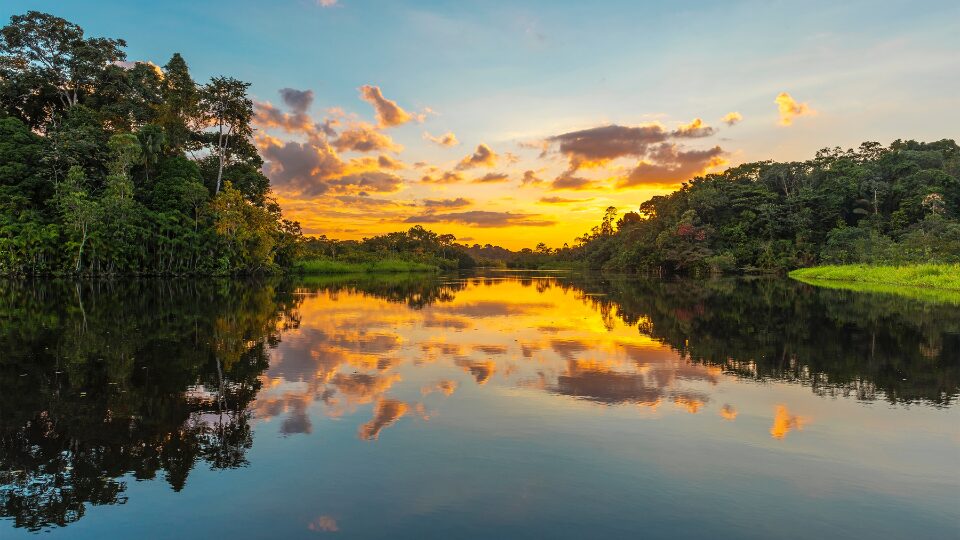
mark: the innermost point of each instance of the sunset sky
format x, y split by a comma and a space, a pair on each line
519, 122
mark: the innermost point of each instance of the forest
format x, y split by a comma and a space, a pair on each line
874, 205
110, 167
116, 167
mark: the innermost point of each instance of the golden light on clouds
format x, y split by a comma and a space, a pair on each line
388, 113
447, 139
790, 108
732, 118
347, 178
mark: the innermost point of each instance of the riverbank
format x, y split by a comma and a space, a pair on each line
937, 276
926, 282
385, 266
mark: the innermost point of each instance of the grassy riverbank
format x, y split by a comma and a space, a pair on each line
937, 276
385, 266
938, 283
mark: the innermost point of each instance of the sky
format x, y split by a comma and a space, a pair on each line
515, 123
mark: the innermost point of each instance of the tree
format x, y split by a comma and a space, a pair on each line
180, 104
228, 111
78, 210
41, 51
152, 140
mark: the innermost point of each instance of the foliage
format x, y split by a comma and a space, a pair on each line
938, 276
94, 170
417, 248
875, 204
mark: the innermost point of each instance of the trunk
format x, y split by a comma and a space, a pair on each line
83, 241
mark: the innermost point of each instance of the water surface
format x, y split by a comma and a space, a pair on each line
492, 405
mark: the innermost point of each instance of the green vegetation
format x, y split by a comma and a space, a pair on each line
384, 266
889, 278
873, 205
416, 250
110, 167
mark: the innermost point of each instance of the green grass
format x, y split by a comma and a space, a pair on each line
927, 282
385, 266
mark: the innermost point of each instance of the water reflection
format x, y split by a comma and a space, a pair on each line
102, 383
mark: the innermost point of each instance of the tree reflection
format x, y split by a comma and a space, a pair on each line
864, 345
101, 380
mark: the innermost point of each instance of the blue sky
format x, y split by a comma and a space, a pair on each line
506, 73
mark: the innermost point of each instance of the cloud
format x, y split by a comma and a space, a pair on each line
389, 114
483, 218
313, 168
449, 177
562, 200
299, 167
668, 163
568, 181
378, 181
732, 118
789, 108
327, 3
363, 137
598, 145
297, 100
387, 162
459, 202
491, 177
448, 139
483, 157
265, 115
366, 201
530, 178
694, 129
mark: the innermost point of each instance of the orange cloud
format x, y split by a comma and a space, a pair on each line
562, 200
483, 157
784, 422
694, 129
732, 118
363, 137
669, 164
530, 178
484, 219
459, 202
388, 113
789, 108
449, 177
491, 177
447, 139
568, 180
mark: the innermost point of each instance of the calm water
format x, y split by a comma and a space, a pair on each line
499, 405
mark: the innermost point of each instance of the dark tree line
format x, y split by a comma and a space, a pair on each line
110, 167
874, 204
